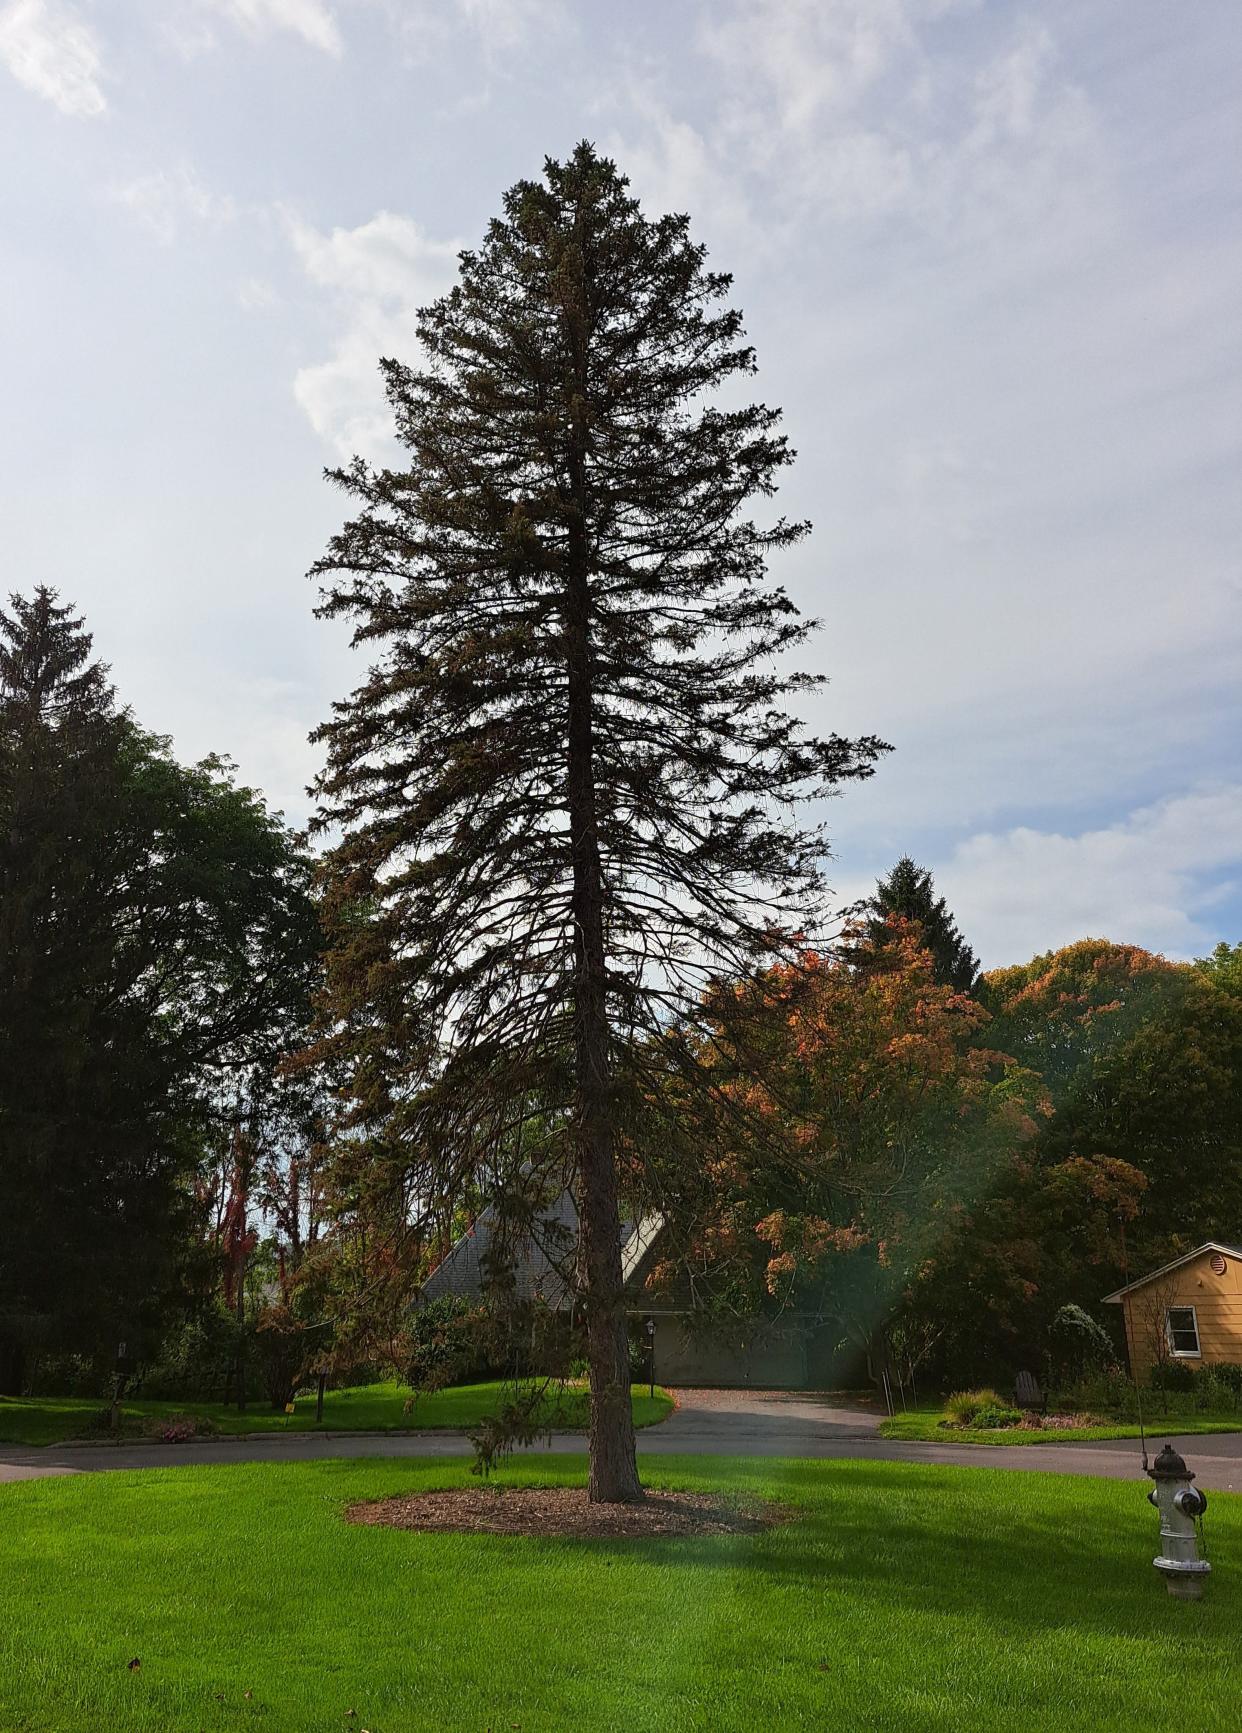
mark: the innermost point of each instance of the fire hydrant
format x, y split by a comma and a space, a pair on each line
1179, 1505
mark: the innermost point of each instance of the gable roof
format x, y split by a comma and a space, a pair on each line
1186, 1257
646, 1232
539, 1258
542, 1259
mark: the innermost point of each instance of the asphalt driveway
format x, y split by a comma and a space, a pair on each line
800, 1423
706, 1422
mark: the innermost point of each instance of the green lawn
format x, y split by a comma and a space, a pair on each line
902, 1597
367, 1408
924, 1424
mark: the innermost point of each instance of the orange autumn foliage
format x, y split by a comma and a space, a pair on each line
872, 1104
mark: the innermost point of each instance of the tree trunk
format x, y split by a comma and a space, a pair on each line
241, 1326
613, 1462
12, 1369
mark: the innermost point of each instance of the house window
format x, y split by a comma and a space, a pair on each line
1183, 1329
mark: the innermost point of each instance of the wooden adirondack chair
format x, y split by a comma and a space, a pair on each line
1027, 1394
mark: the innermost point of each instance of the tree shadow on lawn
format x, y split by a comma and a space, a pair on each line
1027, 1565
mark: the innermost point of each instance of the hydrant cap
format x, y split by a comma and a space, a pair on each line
1170, 1466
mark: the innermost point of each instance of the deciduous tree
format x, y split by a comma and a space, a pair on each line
155, 929
1143, 1062
880, 1164
862, 1120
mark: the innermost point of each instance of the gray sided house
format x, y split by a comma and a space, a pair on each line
790, 1354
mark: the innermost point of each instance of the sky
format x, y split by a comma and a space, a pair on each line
990, 258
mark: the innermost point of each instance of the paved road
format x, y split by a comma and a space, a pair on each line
707, 1422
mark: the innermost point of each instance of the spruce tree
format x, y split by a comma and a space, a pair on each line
908, 893
564, 789
60, 745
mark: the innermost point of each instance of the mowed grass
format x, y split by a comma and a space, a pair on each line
924, 1424
900, 1596
366, 1408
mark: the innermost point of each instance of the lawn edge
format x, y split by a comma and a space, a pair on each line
78, 1442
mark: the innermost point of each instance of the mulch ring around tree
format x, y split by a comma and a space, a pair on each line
563, 1512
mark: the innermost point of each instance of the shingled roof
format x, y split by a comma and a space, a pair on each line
542, 1258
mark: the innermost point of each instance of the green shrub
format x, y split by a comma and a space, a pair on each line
579, 1368
1109, 1390
70, 1375
196, 1360
990, 1419
962, 1406
1229, 1374
640, 1353
446, 1338
1177, 1378
1078, 1345
1215, 1389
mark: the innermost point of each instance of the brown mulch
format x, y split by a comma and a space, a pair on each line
563, 1512
1059, 1422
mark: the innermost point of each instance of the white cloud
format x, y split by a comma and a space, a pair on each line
309, 19
386, 259
791, 63
844, 111
267, 717
499, 28
257, 295
188, 34
377, 275
1146, 879
160, 201
504, 24
1009, 88
50, 48
673, 168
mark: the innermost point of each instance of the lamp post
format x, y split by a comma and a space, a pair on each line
650, 1329
120, 1375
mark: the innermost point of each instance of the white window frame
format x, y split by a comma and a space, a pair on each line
1195, 1353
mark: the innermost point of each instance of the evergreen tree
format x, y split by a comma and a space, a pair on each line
565, 785
909, 894
156, 942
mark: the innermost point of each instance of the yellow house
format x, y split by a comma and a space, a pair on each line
1188, 1310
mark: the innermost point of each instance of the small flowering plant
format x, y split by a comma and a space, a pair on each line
179, 1428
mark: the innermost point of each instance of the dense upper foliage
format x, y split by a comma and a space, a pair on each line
940, 1176
1143, 1061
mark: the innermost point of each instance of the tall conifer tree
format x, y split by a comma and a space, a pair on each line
908, 893
565, 786
157, 943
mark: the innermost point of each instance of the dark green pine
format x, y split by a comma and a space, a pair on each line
157, 948
565, 789
909, 893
